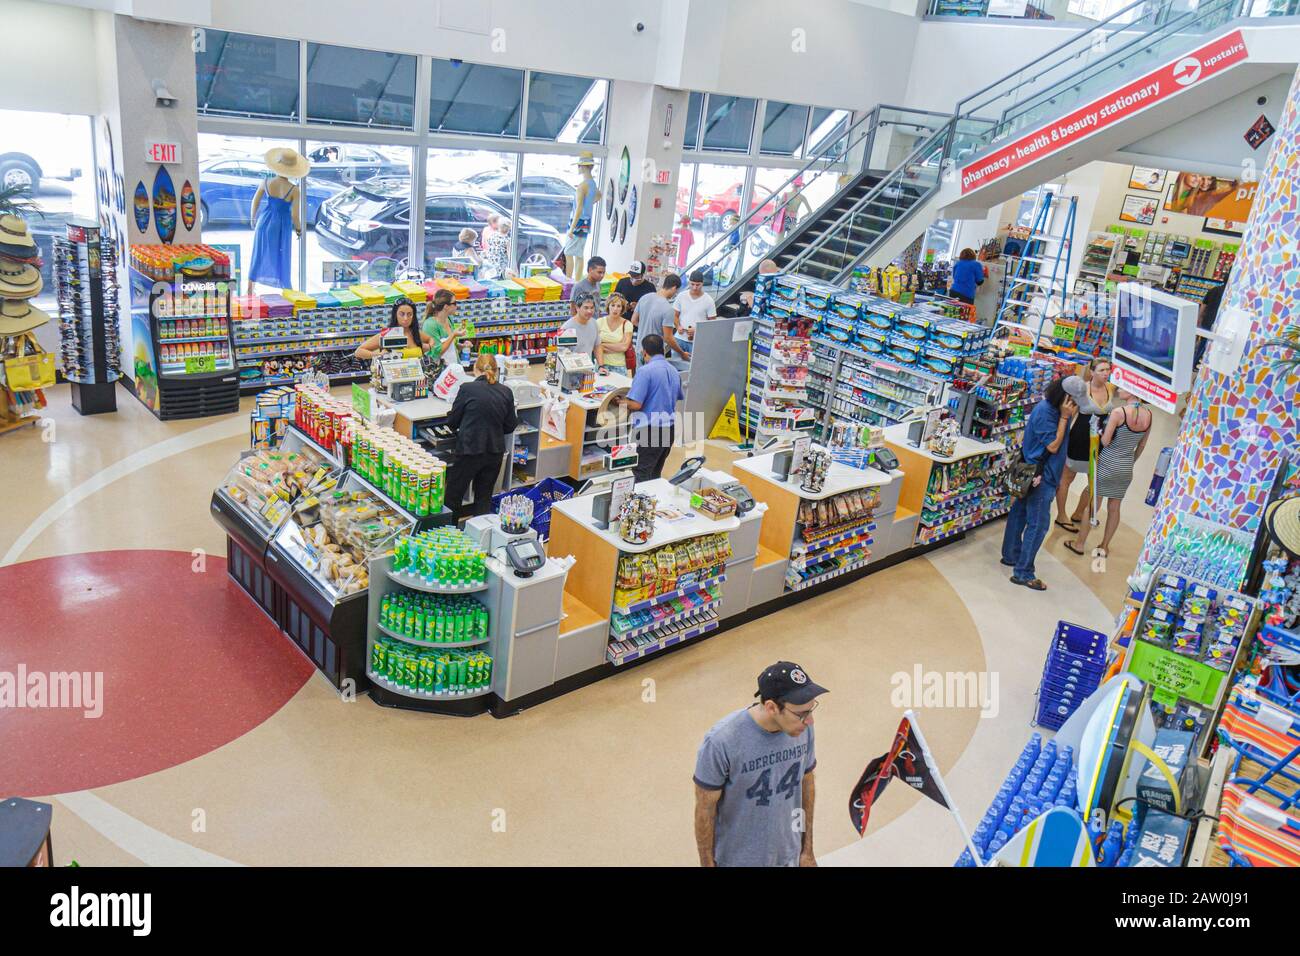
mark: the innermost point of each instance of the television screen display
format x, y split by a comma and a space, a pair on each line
1147, 330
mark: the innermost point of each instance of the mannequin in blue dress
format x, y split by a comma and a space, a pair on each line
276, 215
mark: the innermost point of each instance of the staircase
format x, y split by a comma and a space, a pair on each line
863, 220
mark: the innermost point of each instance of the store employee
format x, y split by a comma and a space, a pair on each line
483, 414
402, 331
656, 390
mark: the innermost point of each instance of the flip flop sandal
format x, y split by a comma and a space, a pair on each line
1069, 545
1033, 585
1067, 527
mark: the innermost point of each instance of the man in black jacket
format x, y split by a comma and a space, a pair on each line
482, 414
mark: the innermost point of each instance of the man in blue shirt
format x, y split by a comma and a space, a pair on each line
1045, 447
967, 273
656, 390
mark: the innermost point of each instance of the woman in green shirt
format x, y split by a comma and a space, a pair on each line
438, 315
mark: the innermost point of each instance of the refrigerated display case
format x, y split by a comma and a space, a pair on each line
183, 356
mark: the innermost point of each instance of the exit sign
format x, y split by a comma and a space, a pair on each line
162, 152
663, 176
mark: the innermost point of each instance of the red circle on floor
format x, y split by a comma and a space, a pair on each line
174, 661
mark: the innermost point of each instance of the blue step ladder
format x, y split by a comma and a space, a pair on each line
1039, 275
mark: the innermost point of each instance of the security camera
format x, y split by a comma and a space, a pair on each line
639, 27
162, 96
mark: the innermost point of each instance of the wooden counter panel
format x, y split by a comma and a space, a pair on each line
591, 580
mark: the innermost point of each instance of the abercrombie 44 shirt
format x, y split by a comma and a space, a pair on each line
760, 820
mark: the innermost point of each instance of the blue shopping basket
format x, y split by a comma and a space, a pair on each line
1076, 662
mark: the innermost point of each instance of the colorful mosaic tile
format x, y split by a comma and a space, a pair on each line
1238, 428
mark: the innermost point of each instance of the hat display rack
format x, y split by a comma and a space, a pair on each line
25, 368
85, 279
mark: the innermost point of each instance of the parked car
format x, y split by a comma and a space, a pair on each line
227, 187
547, 198
347, 163
372, 220
721, 203
38, 147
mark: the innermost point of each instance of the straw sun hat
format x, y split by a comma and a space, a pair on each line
287, 162
1282, 518
18, 316
15, 241
19, 280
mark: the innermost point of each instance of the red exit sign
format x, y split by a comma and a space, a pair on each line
162, 152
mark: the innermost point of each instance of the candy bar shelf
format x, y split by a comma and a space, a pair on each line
796, 582
619, 657
635, 632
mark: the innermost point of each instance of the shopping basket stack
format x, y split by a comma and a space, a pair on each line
543, 494
1075, 664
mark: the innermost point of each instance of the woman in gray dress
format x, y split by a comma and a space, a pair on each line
1127, 430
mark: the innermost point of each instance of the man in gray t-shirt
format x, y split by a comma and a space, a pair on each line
590, 283
754, 777
583, 323
656, 316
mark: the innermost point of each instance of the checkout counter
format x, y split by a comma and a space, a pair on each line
942, 508
576, 532
838, 547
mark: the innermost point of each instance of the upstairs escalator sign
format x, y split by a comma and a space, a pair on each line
1214, 57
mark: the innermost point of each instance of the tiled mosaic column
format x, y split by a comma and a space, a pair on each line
1238, 428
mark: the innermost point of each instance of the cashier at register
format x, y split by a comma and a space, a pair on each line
656, 390
403, 330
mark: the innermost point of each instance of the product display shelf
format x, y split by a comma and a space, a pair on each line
618, 658
85, 280
420, 522
389, 692
806, 545
689, 590
416, 583
175, 378
812, 558
422, 643
626, 635
981, 518
803, 583
589, 440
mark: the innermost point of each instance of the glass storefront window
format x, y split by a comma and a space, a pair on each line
718, 191
463, 189
358, 207
231, 168
243, 75
728, 123
350, 87
684, 223
691, 138
566, 109
828, 126
473, 98
50, 154
784, 125
548, 188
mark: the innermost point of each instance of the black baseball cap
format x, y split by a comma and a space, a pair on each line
787, 683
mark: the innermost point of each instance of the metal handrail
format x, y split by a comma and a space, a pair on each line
873, 194
1167, 28
725, 235
1056, 49
874, 115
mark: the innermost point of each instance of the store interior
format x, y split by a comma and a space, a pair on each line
230, 529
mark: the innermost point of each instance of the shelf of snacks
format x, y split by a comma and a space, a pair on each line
833, 536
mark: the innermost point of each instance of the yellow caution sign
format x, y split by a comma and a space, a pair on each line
728, 423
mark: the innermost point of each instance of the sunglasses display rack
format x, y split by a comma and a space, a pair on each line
85, 281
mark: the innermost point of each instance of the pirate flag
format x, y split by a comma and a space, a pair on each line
908, 760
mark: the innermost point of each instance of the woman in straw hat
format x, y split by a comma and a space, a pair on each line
275, 220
